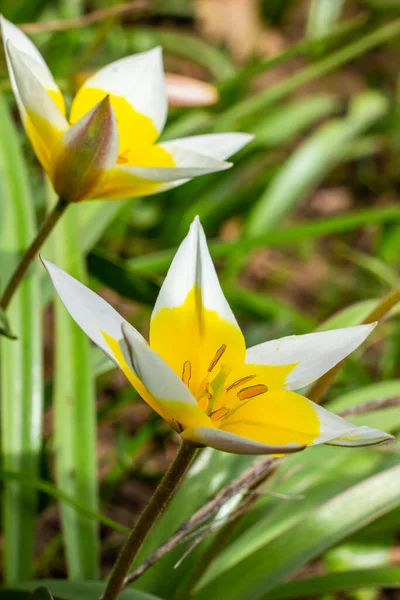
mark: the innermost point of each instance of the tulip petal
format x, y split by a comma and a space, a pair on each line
192, 323
284, 417
93, 314
33, 60
43, 121
85, 153
217, 145
136, 85
162, 383
163, 166
309, 356
336, 431
104, 325
235, 444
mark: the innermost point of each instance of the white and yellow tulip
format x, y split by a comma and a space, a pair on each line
197, 374
107, 148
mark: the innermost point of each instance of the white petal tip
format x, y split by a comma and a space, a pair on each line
361, 436
232, 443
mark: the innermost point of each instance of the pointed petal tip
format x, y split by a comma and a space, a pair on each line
247, 137
196, 223
361, 436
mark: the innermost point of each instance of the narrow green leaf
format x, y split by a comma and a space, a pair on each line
94, 218
333, 583
323, 15
21, 360
113, 273
51, 490
246, 109
329, 523
311, 162
5, 326
84, 590
284, 123
190, 46
75, 416
211, 471
158, 262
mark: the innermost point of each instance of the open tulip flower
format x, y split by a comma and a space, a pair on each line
197, 374
107, 149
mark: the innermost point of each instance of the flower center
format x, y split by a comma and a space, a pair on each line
219, 400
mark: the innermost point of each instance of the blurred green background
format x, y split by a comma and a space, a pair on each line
305, 231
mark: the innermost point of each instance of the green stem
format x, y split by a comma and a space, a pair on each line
32, 251
157, 504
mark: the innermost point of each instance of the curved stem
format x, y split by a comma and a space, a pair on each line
157, 504
32, 251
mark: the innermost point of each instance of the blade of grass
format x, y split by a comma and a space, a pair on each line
301, 47
214, 60
158, 262
329, 523
310, 163
322, 17
84, 590
334, 583
21, 359
75, 416
235, 116
30, 483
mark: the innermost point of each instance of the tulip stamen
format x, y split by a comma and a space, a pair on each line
187, 372
217, 357
252, 391
236, 384
218, 414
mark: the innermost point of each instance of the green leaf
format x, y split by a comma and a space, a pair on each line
21, 360
329, 523
333, 583
322, 17
211, 471
52, 491
312, 161
75, 415
236, 116
158, 262
115, 275
83, 590
5, 326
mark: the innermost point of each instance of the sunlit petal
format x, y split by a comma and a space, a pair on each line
235, 444
217, 145
162, 383
43, 121
104, 327
136, 85
33, 59
192, 321
310, 355
284, 417
143, 180
336, 431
